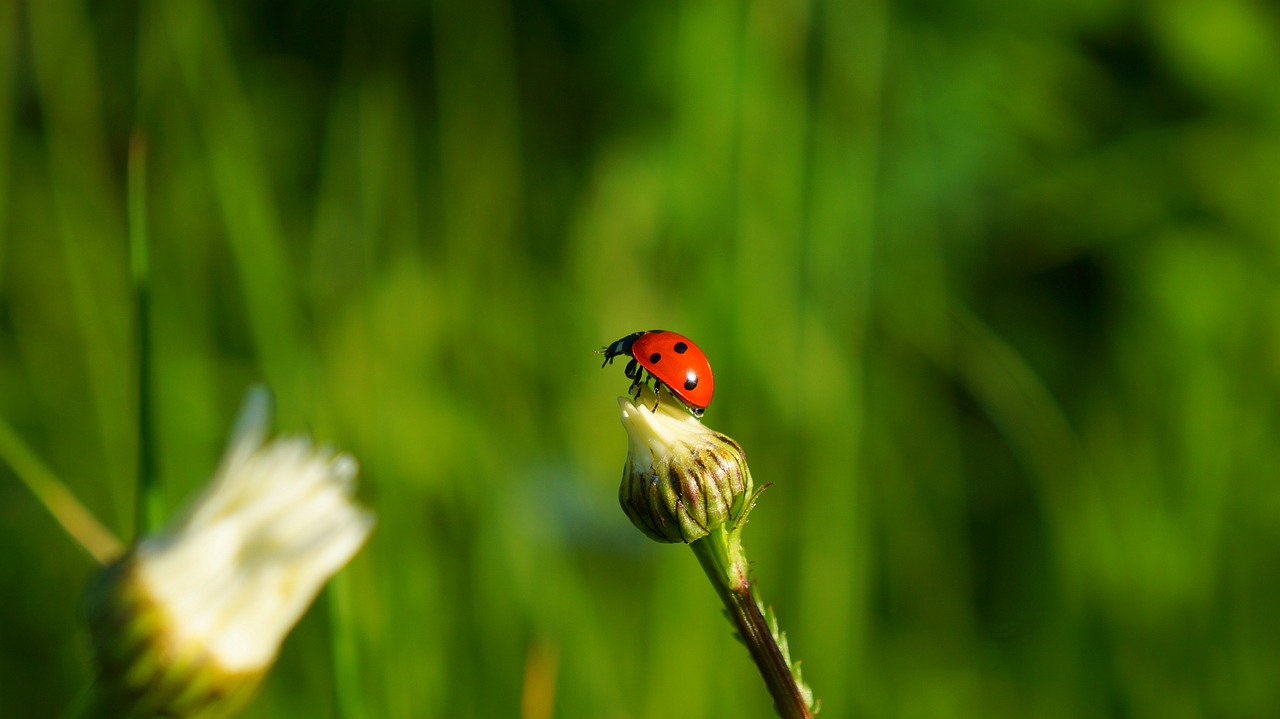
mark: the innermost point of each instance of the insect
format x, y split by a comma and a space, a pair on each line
672, 359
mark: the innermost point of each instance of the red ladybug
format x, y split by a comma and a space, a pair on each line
672, 359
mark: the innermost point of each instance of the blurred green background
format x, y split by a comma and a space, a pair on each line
992, 293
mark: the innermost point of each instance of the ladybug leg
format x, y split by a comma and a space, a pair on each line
634, 373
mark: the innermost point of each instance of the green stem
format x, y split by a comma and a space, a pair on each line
725, 564
150, 508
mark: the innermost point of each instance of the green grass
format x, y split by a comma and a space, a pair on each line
990, 293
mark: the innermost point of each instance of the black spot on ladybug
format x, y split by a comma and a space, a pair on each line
690, 380
681, 348
654, 358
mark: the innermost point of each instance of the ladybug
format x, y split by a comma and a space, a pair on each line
672, 359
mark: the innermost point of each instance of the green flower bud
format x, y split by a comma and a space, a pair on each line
188, 622
682, 480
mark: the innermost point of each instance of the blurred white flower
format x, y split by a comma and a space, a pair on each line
190, 616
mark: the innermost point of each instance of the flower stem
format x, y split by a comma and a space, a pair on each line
725, 564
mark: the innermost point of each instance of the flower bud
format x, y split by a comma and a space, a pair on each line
188, 621
681, 480
144, 666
